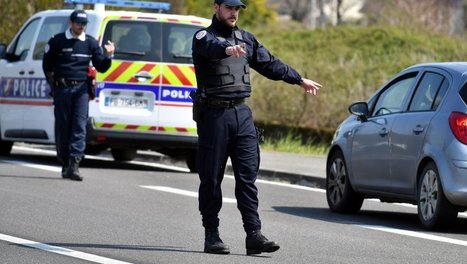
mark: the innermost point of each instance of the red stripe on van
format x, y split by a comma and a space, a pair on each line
118, 71
180, 75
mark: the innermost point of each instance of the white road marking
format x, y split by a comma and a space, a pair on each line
282, 184
60, 250
182, 192
92, 157
33, 165
415, 234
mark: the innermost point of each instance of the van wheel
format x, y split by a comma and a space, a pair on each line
434, 209
120, 154
191, 161
94, 149
5, 147
340, 196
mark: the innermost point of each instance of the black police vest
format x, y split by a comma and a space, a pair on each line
220, 76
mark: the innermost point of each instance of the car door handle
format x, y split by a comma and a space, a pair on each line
418, 129
31, 72
21, 72
383, 132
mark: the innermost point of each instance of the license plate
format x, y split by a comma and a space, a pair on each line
126, 102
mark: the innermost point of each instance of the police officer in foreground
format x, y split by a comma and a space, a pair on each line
223, 55
65, 64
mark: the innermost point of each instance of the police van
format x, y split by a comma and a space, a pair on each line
142, 101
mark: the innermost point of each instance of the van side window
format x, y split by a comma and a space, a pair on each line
22, 45
50, 27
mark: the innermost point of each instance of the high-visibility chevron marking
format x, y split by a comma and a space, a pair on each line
118, 71
146, 128
179, 74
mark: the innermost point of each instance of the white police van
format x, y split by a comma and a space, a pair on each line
142, 101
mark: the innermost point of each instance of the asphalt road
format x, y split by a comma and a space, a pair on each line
147, 213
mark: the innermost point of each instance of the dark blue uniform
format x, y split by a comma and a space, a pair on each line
68, 59
226, 127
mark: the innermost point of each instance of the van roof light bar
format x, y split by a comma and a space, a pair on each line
161, 6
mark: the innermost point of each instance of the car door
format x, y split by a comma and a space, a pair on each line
409, 130
371, 140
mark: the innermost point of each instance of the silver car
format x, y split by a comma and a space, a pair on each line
407, 143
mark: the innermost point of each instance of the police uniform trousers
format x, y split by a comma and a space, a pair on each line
223, 133
71, 106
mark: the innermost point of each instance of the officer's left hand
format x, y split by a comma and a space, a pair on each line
310, 86
109, 48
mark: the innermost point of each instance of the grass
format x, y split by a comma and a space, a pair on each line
293, 144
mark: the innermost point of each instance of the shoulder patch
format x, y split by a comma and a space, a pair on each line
200, 34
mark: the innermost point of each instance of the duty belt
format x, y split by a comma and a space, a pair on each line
63, 83
221, 103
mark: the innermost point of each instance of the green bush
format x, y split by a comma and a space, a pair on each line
350, 62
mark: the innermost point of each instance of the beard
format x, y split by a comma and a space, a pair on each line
228, 21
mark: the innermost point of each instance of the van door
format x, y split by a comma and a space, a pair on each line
175, 114
127, 92
24, 87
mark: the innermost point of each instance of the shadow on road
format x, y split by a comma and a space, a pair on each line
400, 220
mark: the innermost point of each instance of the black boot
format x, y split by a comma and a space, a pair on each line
213, 243
73, 169
65, 171
256, 243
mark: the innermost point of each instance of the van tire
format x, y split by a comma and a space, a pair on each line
120, 154
191, 161
5, 147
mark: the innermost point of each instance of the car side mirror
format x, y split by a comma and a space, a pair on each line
359, 109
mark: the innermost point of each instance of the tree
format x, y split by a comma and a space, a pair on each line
15, 13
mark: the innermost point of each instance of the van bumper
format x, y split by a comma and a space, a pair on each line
140, 140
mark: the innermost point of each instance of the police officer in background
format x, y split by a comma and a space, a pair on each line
66, 60
223, 55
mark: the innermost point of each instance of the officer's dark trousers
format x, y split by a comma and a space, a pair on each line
71, 113
225, 132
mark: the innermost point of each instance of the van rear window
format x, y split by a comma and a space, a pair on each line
151, 41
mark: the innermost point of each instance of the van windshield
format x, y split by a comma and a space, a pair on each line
151, 41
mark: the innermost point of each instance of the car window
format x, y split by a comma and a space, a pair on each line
391, 99
24, 40
50, 27
442, 91
427, 91
463, 93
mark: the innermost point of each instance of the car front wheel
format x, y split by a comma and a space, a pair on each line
339, 193
434, 210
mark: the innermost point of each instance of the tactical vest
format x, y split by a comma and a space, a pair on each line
220, 76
